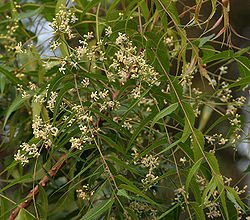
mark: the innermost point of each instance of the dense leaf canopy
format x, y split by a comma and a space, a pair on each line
121, 110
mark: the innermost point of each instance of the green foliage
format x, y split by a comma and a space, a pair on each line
122, 115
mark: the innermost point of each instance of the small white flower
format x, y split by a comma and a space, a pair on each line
108, 31
126, 124
18, 48
85, 82
223, 70
89, 35
94, 95
51, 102
103, 94
183, 160
54, 45
20, 157
136, 92
54, 131
213, 82
76, 143
121, 38
169, 41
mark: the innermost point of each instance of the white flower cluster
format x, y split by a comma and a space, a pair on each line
27, 151
76, 143
223, 70
130, 63
51, 102
85, 82
103, 100
41, 98
8, 39
24, 94
91, 52
108, 31
225, 94
82, 49
181, 195
32, 86
151, 163
147, 103
136, 92
201, 181
240, 191
69, 121
143, 208
187, 74
195, 102
44, 131
235, 121
11, 28
236, 124
54, 45
18, 48
85, 193
169, 41
63, 20
213, 211
63, 63
235, 104
86, 125
127, 124
216, 139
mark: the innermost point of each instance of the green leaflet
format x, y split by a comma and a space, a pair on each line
199, 212
60, 97
193, 171
198, 144
134, 103
137, 191
168, 211
23, 179
9, 75
23, 215
156, 144
170, 146
139, 129
98, 209
111, 143
123, 192
233, 196
129, 186
3, 82
15, 105
244, 65
42, 203
213, 162
224, 55
122, 164
163, 113
189, 121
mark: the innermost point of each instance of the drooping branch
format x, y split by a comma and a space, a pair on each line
34, 192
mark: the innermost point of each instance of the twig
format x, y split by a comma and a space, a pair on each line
53, 171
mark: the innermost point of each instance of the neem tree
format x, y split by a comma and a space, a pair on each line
123, 118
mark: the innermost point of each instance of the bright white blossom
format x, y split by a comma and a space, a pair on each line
108, 31
27, 151
63, 21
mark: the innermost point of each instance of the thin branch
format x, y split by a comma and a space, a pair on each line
34, 192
